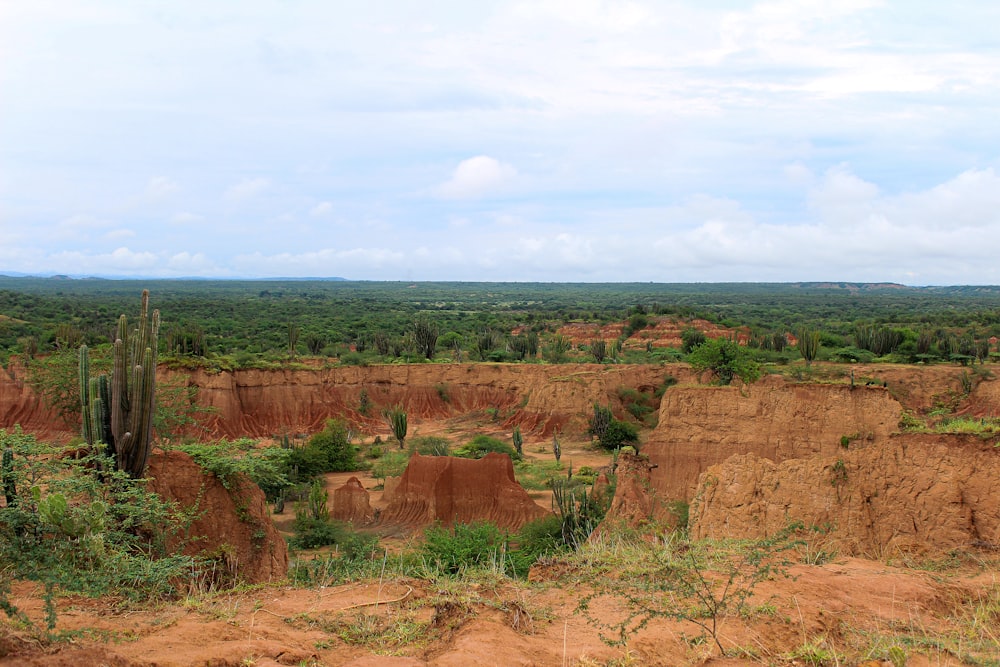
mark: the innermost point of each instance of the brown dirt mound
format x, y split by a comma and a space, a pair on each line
915, 492
233, 526
352, 504
700, 426
454, 490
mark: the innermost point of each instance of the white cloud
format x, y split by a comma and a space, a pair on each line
247, 188
160, 187
477, 177
320, 263
119, 234
186, 218
321, 209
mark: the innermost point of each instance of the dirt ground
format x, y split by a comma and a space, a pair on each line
841, 612
891, 610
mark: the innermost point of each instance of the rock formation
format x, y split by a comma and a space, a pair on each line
915, 492
351, 503
233, 526
454, 490
700, 426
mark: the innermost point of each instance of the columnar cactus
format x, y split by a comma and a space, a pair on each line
7, 474
119, 412
518, 440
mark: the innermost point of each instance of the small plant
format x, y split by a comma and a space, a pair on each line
364, 403
702, 583
396, 418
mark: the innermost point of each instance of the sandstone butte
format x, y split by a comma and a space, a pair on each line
748, 459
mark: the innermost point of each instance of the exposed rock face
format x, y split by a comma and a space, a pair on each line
454, 490
235, 526
634, 504
541, 399
915, 492
700, 426
22, 406
351, 503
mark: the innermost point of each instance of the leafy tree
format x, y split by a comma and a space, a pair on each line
726, 360
330, 450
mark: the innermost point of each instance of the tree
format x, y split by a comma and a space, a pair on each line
330, 450
726, 360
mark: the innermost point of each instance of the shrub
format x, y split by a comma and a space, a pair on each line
451, 550
430, 445
330, 450
267, 468
726, 360
481, 445
78, 525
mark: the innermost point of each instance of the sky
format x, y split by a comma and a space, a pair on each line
548, 140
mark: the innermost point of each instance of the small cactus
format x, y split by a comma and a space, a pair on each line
518, 440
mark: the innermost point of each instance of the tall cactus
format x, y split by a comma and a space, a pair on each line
518, 440
808, 344
7, 475
396, 417
119, 412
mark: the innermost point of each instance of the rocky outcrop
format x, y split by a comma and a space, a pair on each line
633, 505
913, 492
230, 525
700, 426
21, 406
453, 490
351, 503
541, 399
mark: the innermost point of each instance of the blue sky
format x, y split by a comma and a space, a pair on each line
562, 140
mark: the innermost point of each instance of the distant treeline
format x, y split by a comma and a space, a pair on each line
271, 319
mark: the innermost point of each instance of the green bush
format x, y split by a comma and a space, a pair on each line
77, 525
268, 468
481, 445
726, 360
463, 546
330, 450
430, 445
392, 464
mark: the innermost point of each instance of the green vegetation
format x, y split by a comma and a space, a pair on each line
79, 525
481, 445
725, 360
701, 582
221, 325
